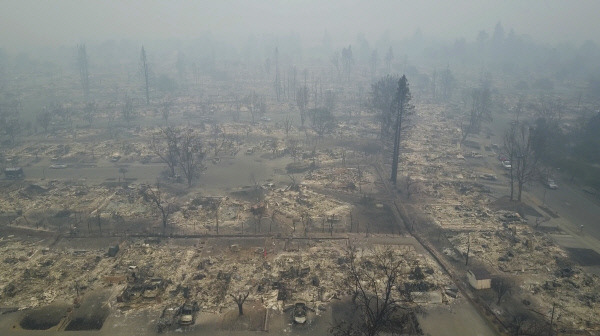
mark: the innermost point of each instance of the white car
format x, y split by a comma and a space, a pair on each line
506, 164
58, 166
551, 184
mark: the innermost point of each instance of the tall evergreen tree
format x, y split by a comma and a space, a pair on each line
402, 109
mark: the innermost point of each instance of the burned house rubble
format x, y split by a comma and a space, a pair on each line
267, 189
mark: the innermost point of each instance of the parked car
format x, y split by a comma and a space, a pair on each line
153, 288
188, 314
551, 184
506, 164
58, 166
300, 311
14, 172
489, 177
167, 318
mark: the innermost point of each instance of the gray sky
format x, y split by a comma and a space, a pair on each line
33, 22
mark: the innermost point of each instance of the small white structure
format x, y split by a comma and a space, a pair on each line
479, 278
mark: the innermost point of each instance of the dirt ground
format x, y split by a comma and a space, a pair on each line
458, 319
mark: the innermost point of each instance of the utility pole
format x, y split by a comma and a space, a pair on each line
217, 216
468, 248
552, 319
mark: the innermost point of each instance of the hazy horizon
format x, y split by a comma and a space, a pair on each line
27, 24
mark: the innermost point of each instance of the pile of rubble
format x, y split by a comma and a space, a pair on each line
345, 179
33, 275
157, 274
502, 240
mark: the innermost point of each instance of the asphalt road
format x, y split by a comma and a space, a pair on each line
230, 173
572, 205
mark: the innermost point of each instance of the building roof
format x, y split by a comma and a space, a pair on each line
480, 273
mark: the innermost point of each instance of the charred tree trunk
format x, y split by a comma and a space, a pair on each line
144, 64
239, 300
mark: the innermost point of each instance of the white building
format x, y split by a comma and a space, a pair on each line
479, 278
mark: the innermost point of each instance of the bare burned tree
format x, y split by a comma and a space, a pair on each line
501, 287
447, 82
322, 121
44, 119
511, 150
373, 61
434, 81
329, 100
220, 142
165, 110
410, 184
302, 102
335, 61
526, 323
277, 82
90, 111
82, 61
166, 147
517, 322
156, 197
518, 109
480, 111
123, 170
347, 60
181, 66
235, 111
293, 146
145, 73
550, 108
13, 128
389, 58
373, 280
10, 122
274, 145
256, 105
239, 300
524, 162
287, 124
127, 110
190, 156
63, 112
383, 93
